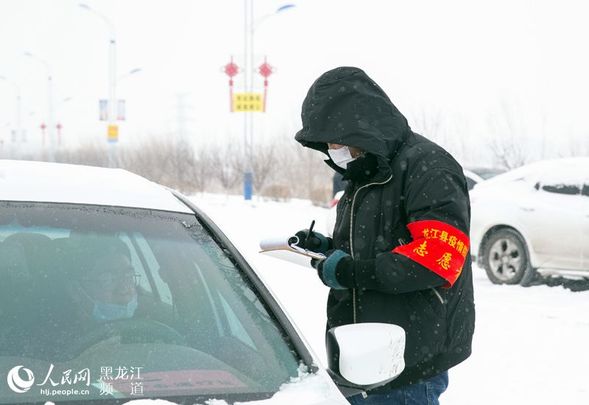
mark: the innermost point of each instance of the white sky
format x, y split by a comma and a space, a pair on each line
459, 60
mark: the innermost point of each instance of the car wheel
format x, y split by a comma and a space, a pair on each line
505, 258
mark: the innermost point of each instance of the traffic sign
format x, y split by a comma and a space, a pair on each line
103, 110
245, 102
113, 133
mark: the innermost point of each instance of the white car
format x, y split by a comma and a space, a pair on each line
472, 179
533, 220
113, 288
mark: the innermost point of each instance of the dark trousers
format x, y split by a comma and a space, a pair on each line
426, 392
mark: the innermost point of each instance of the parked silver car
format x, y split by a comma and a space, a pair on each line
533, 221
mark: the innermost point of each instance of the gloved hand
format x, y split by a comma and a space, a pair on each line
314, 241
336, 268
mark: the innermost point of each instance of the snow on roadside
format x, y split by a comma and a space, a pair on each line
529, 345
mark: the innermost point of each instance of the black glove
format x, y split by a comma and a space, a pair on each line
335, 269
314, 241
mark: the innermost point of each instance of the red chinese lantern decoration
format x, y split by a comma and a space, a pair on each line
265, 70
231, 70
43, 127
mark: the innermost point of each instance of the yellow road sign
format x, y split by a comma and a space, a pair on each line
243, 102
113, 133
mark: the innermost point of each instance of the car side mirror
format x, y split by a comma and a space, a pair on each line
365, 355
537, 186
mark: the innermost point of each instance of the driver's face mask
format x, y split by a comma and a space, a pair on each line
104, 311
341, 156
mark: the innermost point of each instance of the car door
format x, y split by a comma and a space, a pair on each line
554, 217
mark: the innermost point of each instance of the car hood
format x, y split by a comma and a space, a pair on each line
308, 389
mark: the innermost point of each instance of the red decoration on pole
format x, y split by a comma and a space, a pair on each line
58, 126
231, 70
265, 70
43, 127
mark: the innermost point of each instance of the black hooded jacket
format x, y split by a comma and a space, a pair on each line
404, 218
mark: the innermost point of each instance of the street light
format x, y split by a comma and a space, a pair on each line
18, 122
280, 9
50, 110
112, 80
249, 29
129, 73
254, 25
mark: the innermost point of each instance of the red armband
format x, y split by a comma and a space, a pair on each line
437, 246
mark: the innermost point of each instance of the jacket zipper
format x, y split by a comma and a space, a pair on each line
438, 295
352, 235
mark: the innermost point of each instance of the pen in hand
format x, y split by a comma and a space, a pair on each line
309, 233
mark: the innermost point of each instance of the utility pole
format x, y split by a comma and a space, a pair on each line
181, 136
248, 175
182, 117
19, 133
50, 106
112, 127
249, 102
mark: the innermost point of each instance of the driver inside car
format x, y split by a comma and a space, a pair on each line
104, 286
93, 283
111, 288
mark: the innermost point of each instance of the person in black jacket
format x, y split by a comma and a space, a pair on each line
399, 252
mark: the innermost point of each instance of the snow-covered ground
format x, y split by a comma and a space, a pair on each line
530, 344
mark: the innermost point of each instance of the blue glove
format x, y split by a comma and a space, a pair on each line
337, 261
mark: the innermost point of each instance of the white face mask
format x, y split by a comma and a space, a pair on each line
341, 156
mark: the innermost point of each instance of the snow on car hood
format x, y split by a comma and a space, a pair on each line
78, 184
306, 389
554, 168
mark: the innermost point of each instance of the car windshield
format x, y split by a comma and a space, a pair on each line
102, 302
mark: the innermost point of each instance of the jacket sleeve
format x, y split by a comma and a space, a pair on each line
438, 215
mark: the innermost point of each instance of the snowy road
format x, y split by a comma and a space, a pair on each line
530, 344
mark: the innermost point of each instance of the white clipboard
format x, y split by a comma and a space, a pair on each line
288, 244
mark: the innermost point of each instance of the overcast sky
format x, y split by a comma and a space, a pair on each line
463, 63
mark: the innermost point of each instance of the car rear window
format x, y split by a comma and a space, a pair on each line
103, 302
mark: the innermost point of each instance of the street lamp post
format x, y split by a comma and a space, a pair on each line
18, 122
50, 106
250, 27
112, 80
248, 171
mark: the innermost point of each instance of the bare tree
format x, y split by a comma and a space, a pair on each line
182, 166
507, 145
307, 174
264, 163
201, 170
227, 165
429, 123
90, 154
153, 160
279, 172
577, 147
